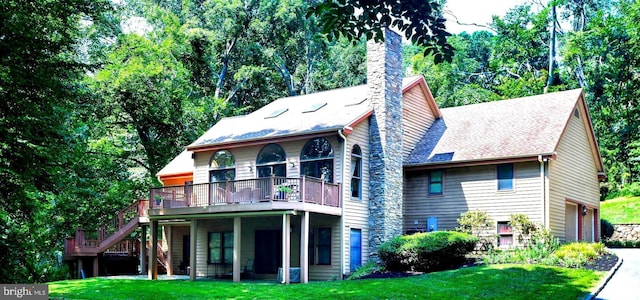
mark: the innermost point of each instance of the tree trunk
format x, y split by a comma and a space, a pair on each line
552, 49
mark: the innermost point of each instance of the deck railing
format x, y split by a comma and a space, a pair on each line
91, 238
303, 189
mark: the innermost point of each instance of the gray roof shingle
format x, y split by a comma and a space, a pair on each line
519, 127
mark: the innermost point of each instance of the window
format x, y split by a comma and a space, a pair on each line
356, 172
320, 246
505, 177
271, 161
316, 159
220, 247
222, 167
276, 113
435, 183
505, 234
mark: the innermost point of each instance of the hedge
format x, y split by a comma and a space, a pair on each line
426, 252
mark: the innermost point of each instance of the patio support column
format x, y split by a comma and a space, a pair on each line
143, 250
96, 268
153, 256
192, 254
169, 236
80, 268
286, 248
304, 247
237, 234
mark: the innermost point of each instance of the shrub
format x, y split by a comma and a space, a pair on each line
539, 249
523, 228
478, 223
579, 253
622, 244
607, 229
364, 270
428, 251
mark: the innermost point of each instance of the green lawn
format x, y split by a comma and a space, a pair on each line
621, 210
484, 282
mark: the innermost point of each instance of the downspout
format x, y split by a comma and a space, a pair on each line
344, 165
547, 203
542, 191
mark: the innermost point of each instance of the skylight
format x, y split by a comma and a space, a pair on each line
356, 101
276, 113
315, 107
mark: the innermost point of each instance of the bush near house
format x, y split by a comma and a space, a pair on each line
430, 251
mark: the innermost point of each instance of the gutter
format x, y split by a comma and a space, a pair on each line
478, 162
342, 216
260, 140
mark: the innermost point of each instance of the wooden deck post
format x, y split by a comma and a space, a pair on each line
237, 234
153, 257
96, 267
80, 268
302, 185
286, 248
304, 247
143, 250
192, 254
169, 237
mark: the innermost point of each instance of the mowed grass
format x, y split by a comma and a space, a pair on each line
483, 282
621, 210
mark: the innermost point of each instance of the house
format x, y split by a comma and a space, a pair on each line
307, 187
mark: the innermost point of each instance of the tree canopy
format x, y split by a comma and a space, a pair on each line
93, 109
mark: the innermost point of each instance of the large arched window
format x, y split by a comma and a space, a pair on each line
356, 172
271, 161
222, 167
316, 159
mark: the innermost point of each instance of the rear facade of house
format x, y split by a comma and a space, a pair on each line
307, 187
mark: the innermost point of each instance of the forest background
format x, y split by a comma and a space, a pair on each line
97, 96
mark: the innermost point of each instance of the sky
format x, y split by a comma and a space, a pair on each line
475, 11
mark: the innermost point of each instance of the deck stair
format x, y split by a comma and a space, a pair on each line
110, 238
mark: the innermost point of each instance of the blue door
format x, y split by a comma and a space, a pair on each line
355, 254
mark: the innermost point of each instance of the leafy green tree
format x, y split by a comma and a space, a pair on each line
609, 48
420, 20
40, 71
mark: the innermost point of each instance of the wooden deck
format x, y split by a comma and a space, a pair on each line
262, 194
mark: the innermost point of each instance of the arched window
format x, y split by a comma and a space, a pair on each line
356, 172
222, 167
271, 161
316, 159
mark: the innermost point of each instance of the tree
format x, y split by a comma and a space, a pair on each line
40, 68
609, 48
420, 20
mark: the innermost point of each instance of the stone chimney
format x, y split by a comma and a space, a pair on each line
384, 79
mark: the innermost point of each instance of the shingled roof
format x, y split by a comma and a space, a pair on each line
522, 127
291, 116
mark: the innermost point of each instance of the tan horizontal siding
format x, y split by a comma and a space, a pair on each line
356, 211
417, 117
328, 272
573, 175
177, 233
472, 189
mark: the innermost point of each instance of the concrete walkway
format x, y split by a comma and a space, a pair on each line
625, 283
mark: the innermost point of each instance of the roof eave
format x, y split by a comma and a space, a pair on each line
478, 162
262, 140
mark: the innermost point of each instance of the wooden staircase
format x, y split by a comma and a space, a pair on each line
111, 238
